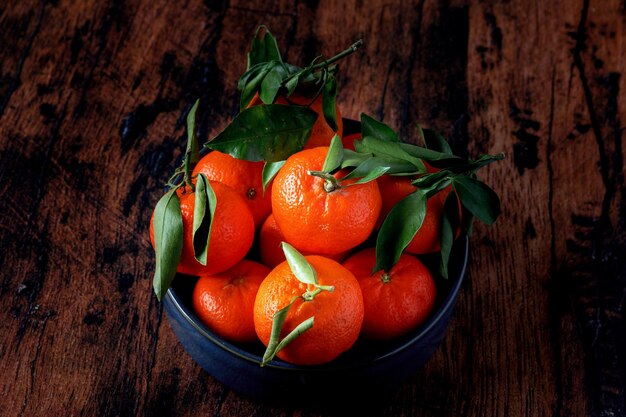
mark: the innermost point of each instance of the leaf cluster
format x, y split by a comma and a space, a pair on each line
168, 222
380, 151
270, 77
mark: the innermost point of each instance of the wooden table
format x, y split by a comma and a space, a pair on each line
92, 98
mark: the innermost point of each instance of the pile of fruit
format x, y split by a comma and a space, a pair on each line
305, 238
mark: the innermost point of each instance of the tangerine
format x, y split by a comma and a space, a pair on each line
225, 301
338, 315
232, 231
316, 216
245, 177
270, 249
395, 302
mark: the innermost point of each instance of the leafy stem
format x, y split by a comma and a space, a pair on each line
353, 48
310, 294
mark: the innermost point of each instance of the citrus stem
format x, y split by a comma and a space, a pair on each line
330, 182
187, 171
353, 48
310, 295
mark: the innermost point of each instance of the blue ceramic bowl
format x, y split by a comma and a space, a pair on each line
369, 369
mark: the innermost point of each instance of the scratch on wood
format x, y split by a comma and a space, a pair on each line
220, 401
33, 368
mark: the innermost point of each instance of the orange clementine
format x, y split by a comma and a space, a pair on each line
245, 177
395, 302
232, 231
322, 133
270, 249
338, 315
315, 218
225, 301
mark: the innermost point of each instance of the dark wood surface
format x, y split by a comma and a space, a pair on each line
92, 96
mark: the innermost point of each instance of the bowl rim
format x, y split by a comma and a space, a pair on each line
447, 303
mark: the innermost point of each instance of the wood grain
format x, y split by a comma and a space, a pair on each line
92, 99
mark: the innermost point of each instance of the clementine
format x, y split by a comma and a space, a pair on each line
395, 302
270, 239
245, 177
338, 315
224, 301
316, 216
232, 231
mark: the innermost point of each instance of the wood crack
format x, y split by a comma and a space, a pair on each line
380, 113
600, 351
33, 364
555, 314
155, 343
220, 401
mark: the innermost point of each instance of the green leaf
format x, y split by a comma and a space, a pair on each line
393, 166
377, 172
484, 160
430, 155
334, 155
478, 198
275, 345
399, 228
253, 83
374, 128
264, 48
329, 97
277, 326
270, 169
249, 74
291, 84
168, 241
353, 159
270, 132
271, 84
300, 267
293, 335
192, 141
430, 179
461, 166
204, 210
434, 141
299, 76
449, 224
393, 150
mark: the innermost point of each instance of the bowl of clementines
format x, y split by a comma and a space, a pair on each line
369, 369
301, 252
